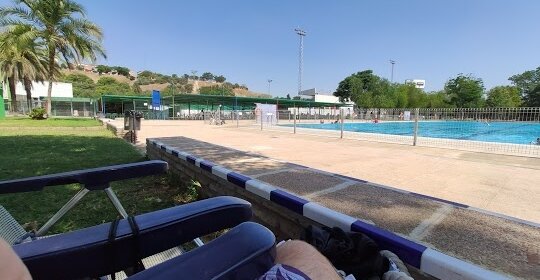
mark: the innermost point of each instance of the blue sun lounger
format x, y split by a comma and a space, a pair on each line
244, 252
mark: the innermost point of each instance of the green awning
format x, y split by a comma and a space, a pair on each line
236, 101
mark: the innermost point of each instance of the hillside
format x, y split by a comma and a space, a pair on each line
162, 86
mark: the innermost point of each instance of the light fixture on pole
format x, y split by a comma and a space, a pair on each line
301, 33
269, 81
392, 76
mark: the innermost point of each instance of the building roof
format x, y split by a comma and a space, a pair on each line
236, 101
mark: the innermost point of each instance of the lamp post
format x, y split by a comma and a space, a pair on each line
300, 33
392, 75
172, 93
269, 81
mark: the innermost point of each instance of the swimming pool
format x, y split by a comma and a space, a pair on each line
503, 132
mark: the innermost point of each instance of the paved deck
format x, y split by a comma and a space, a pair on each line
503, 184
494, 242
497, 183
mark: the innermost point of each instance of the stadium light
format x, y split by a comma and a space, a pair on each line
392, 76
300, 33
269, 81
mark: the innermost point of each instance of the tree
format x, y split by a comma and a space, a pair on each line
219, 79
63, 28
124, 71
366, 90
288, 96
529, 84
504, 96
21, 60
109, 85
83, 86
465, 91
410, 95
437, 99
216, 90
103, 69
207, 76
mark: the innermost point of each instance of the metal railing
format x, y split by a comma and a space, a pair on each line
511, 131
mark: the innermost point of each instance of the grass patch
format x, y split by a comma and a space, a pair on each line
51, 122
45, 150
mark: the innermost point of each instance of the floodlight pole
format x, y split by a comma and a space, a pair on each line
301, 33
269, 81
392, 76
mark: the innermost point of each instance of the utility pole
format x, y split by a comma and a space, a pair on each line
300, 33
269, 81
392, 76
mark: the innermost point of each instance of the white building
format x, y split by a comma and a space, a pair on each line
417, 83
39, 90
314, 95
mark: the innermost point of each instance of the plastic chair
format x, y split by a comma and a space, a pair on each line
244, 252
95, 179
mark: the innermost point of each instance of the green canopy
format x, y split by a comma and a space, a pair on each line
227, 102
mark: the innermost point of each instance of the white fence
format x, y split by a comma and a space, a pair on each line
510, 131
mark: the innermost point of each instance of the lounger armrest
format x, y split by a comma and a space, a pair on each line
87, 252
245, 252
93, 179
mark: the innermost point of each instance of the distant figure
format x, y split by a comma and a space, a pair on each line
400, 116
322, 122
376, 120
537, 142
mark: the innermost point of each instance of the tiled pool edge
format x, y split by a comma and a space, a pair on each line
415, 254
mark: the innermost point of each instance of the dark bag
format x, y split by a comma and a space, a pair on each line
352, 252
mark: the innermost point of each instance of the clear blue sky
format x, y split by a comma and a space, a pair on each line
252, 41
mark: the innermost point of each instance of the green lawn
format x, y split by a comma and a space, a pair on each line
52, 122
31, 148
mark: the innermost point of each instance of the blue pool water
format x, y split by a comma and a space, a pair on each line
504, 132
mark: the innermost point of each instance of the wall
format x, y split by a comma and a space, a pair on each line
40, 90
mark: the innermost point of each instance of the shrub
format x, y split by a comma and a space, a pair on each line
38, 114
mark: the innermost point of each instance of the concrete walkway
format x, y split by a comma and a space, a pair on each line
496, 243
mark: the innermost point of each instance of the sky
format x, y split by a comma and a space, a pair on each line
250, 42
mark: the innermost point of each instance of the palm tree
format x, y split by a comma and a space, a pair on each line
21, 59
62, 27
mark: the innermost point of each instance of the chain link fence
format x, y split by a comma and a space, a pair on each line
510, 131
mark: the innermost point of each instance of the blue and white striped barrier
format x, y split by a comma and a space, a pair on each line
426, 259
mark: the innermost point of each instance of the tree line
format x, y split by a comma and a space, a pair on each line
84, 86
368, 90
37, 36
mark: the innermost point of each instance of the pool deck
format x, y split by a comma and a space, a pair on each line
503, 184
